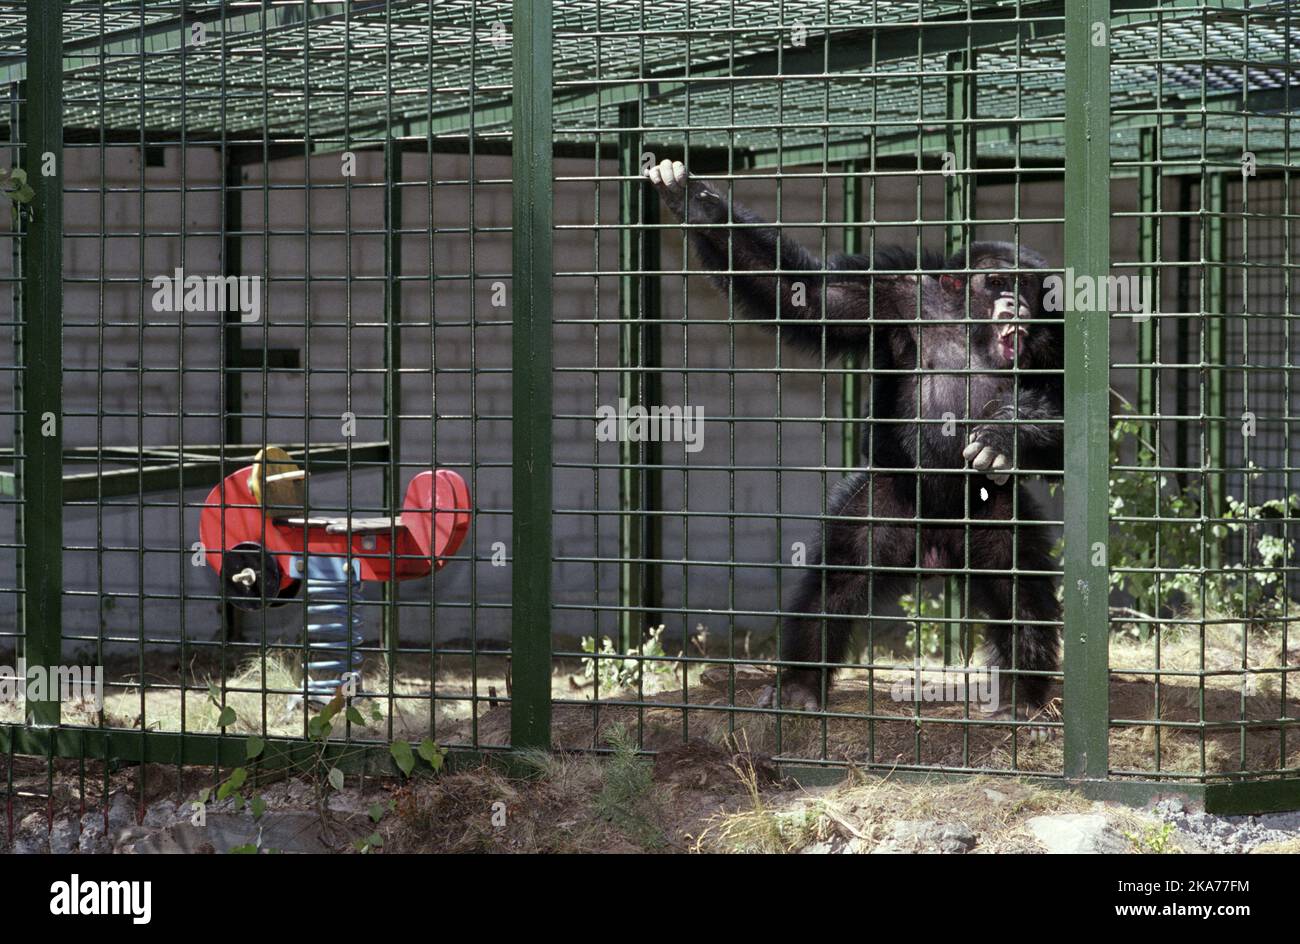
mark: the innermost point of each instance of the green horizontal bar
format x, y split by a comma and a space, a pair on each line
1254, 796
1233, 798
222, 750
234, 452
230, 750
203, 465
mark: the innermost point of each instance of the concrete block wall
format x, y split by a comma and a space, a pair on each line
159, 383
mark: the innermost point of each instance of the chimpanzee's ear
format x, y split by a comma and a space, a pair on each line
952, 284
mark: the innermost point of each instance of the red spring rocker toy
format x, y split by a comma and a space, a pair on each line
255, 531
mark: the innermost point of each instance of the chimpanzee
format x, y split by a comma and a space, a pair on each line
984, 362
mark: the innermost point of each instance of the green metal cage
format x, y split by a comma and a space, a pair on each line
459, 265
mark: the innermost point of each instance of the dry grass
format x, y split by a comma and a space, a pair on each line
562, 808
264, 695
866, 726
701, 798
863, 811
1254, 658
1235, 673
690, 797
1288, 847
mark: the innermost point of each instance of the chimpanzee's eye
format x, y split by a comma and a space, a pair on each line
997, 283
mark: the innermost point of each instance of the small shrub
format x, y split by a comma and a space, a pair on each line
615, 671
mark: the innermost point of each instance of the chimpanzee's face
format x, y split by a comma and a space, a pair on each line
1009, 303
1007, 300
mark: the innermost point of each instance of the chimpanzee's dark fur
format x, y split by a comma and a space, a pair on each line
840, 314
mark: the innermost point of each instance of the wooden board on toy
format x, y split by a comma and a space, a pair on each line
343, 525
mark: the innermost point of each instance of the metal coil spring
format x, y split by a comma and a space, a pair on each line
333, 647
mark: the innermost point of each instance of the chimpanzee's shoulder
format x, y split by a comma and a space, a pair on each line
901, 258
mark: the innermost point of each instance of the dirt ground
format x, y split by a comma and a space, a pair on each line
1228, 679
877, 730
689, 798
712, 783
865, 725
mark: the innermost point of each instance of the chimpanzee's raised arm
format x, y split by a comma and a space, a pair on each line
810, 301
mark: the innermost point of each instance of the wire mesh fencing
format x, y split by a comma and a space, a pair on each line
511, 375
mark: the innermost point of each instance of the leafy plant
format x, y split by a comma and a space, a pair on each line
404, 756
1157, 555
918, 609
617, 671
322, 768
625, 794
1155, 839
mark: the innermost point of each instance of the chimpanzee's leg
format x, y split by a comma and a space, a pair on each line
1032, 643
849, 543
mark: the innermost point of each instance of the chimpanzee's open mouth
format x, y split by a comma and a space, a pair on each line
1010, 338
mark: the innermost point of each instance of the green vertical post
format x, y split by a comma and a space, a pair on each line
392, 366
39, 433
1087, 369
232, 265
639, 382
1149, 253
530, 706
958, 186
1214, 285
1182, 336
652, 390
851, 388
959, 202
1149, 231
232, 364
631, 485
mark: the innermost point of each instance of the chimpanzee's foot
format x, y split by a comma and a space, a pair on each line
1035, 733
797, 696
